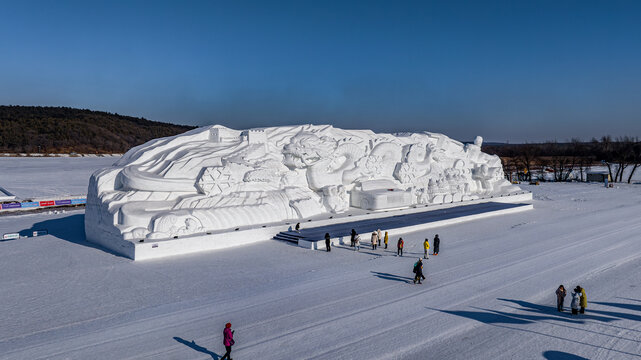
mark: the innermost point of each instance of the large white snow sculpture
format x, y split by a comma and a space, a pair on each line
215, 178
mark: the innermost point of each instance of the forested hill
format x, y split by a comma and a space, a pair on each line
37, 129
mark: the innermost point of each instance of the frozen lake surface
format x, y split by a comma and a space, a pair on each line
33, 177
489, 294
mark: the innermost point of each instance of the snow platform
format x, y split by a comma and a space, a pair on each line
314, 238
338, 225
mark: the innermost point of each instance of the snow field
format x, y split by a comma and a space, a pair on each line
49, 176
489, 294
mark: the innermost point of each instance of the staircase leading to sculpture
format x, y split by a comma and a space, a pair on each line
291, 236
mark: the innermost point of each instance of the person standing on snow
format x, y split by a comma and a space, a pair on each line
374, 240
328, 244
357, 243
380, 236
584, 299
576, 302
228, 341
352, 238
386, 239
560, 297
399, 247
436, 243
426, 247
418, 271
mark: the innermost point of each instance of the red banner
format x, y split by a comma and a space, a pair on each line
47, 203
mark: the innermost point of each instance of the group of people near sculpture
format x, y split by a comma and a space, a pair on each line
579, 299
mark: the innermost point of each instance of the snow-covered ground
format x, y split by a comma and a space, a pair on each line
489, 294
34, 177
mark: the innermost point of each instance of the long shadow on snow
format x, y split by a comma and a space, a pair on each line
504, 320
561, 355
70, 228
629, 299
197, 347
620, 305
605, 316
387, 276
552, 314
485, 317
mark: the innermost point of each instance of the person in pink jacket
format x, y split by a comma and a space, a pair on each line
228, 341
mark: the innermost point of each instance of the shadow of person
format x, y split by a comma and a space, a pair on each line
551, 312
633, 307
560, 355
486, 317
387, 276
197, 347
70, 228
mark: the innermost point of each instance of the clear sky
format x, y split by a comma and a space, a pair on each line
507, 70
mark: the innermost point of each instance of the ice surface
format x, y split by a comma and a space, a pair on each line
489, 294
30, 177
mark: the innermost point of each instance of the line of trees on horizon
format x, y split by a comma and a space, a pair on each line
42, 129
564, 159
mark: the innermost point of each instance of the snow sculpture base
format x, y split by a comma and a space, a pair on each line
182, 193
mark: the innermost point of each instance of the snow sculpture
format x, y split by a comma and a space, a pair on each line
214, 178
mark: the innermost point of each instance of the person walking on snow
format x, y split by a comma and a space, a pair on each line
426, 247
357, 243
386, 239
374, 240
328, 244
352, 238
576, 301
418, 271
228, 341
436, 243
560, 297
583, 298
399, 247
379, 235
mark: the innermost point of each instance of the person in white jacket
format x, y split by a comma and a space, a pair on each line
576, 302
374, 240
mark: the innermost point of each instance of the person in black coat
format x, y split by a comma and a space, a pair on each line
436, 244
418, 271
353, 237
560, 297
328, 244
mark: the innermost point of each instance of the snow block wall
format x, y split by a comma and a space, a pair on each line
215, 178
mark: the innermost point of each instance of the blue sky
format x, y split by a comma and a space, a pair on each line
507, 70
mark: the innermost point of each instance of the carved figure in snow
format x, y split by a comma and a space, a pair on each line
483, 176
335, 198
327, 163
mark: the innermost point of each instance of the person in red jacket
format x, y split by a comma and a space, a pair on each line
399, 247
228, 341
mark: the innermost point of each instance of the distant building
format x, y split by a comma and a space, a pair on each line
597, 176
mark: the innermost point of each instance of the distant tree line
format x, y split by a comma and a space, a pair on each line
37, 129
564, 159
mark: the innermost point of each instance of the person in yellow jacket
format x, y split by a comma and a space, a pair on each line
386, 239
426, 246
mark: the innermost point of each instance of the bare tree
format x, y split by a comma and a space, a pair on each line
635, 158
